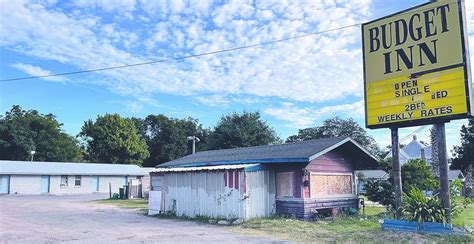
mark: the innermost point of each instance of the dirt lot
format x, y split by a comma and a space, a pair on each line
77, 219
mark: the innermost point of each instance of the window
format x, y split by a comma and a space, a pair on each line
77, 181
63, 181
326, 185
284, 184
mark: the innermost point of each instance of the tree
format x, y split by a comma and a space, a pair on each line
464, 154
337, 127
167, 137
24, 131
464, 157
241, 130
113, 139
415, 173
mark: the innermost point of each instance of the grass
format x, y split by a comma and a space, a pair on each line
140, 204
466, 218
362, 228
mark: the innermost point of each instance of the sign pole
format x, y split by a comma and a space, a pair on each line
397, 172
443, 170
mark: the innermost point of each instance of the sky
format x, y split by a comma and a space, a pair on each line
294, 84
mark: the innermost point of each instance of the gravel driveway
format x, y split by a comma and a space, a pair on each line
77, 219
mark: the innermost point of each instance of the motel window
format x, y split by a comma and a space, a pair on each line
284, 184
77, 181
63, 181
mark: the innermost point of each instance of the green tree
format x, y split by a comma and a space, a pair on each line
464, 157
167, 137
464, 154
337, 127
241, 130
415, 173
24, 131
113, 139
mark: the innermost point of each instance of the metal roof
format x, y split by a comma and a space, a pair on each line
413, 151
57, 168
301, 152
454, 174
374, 174
217, 167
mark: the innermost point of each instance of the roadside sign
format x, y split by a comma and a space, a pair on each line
416, 66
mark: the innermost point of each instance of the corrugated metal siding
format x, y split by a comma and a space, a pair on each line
260, 196
202, 194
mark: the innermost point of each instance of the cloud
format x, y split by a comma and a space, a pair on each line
298, 117
36, 71
223, 100
313, 69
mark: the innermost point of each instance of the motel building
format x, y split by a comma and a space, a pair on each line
292, 179
24, 177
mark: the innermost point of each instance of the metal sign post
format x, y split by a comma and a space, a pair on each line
397, 172
443, 170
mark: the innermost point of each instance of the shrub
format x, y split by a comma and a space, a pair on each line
381, 192
418, 207
455, 187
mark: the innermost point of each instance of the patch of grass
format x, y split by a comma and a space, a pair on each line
374, 211
140, 204
343, 229
466, 217
362, 228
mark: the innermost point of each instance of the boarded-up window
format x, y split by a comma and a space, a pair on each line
330, 185
284, 184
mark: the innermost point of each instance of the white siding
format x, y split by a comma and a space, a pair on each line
25, 184
260, 200
87, 184
31, 184
202, 193
205, 193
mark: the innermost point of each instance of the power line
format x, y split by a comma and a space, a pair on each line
202, 54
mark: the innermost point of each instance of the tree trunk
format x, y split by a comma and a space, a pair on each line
469, 182
434, 151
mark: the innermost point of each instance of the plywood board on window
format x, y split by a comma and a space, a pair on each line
330, 185
284, 184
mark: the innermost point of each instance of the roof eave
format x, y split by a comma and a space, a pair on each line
259, 161
348, 139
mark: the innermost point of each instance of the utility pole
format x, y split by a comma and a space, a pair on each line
194, 139
397, 172
32, 154
443, 170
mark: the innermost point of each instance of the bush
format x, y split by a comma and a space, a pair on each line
415, 173
417, 207
455, 187
381, 192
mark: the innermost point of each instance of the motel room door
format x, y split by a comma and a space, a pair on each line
45, 184
95, 183
4, 184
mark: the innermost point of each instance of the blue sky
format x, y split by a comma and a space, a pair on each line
294, 84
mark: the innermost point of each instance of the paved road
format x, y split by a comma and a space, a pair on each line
77, 219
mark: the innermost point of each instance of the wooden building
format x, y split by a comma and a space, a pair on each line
294, 179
